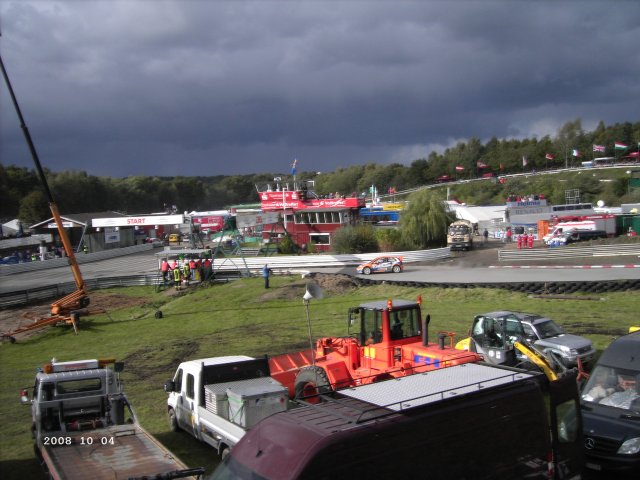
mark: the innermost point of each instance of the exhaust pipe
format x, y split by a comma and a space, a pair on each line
425, 330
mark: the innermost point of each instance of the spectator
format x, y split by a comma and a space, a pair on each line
266, 271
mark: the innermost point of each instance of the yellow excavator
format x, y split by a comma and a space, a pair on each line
552, 367
68, 309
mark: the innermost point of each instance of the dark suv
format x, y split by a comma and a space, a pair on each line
582, 235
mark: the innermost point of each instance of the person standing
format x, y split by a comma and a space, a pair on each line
207, 268
485, 234
164, 268
177, 277
266, 271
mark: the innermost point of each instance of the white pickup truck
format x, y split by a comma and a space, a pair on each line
217, 400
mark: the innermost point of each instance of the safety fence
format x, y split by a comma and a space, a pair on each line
80, 258
559, 253
253, 264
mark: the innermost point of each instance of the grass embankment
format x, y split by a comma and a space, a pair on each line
243, 318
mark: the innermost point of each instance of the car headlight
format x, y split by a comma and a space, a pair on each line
630, 447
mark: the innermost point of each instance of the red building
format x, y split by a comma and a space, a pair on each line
308, 218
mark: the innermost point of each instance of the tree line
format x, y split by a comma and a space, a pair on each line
79, 192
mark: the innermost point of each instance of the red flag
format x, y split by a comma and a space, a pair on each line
548, 156
480, 164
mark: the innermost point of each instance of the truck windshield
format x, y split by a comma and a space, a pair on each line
230, 469
548, 329
613, 387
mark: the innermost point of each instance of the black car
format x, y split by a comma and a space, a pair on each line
611, 408
582, 235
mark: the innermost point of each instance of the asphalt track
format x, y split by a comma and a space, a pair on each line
469, 268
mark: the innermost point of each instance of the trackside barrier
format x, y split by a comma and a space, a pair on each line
322, 260
80, 257
23, 297
513, 255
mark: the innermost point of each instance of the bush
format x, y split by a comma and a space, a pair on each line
355, 239
390, 240
287, 245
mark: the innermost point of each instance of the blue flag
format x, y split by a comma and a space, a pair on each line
293, 167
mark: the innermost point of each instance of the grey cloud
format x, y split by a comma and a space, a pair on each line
181, 87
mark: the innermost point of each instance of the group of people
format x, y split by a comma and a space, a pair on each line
525, 240
182, 271
525, 198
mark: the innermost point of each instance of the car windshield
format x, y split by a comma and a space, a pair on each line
612, 387
548, 328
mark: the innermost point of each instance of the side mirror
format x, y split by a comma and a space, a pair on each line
24, 397
169, 386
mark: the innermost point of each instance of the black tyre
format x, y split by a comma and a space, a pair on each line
366, 270
173, 421
396, 269
310, 382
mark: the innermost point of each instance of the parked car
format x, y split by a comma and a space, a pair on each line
156, 242
611, 409
582, 235
10, 260
381, 264
545, 334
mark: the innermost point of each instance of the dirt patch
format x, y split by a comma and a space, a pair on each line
329, 283
16, 318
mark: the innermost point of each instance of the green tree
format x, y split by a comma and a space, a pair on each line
355, 239
425, 220
34, 208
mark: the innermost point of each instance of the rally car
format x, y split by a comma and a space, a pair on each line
381, 264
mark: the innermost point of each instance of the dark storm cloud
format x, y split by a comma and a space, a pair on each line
211, 87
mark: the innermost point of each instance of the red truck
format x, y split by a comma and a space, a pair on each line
385, 339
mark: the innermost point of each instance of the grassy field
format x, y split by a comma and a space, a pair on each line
243, 318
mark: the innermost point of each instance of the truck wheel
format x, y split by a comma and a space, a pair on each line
311, 381
173, 421
366, 270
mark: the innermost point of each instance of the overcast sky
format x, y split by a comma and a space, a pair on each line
195, 87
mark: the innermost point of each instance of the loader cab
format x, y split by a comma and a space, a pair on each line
493, 335
385, 321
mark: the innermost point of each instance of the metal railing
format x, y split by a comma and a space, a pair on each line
505, 255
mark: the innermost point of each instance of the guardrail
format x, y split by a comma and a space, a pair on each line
505, 255
80, 258
323, 260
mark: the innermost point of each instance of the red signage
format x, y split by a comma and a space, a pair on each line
292, 200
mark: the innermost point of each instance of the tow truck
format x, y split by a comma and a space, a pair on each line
68, 309
83, 426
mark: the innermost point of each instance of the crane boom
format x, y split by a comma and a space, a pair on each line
79, 298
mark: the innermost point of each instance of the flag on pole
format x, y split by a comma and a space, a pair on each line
548, 156
525, 160
598, 148
293, 166
459, 168
620, 146
480, 164
576, 153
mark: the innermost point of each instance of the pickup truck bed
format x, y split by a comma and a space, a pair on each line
118, 452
